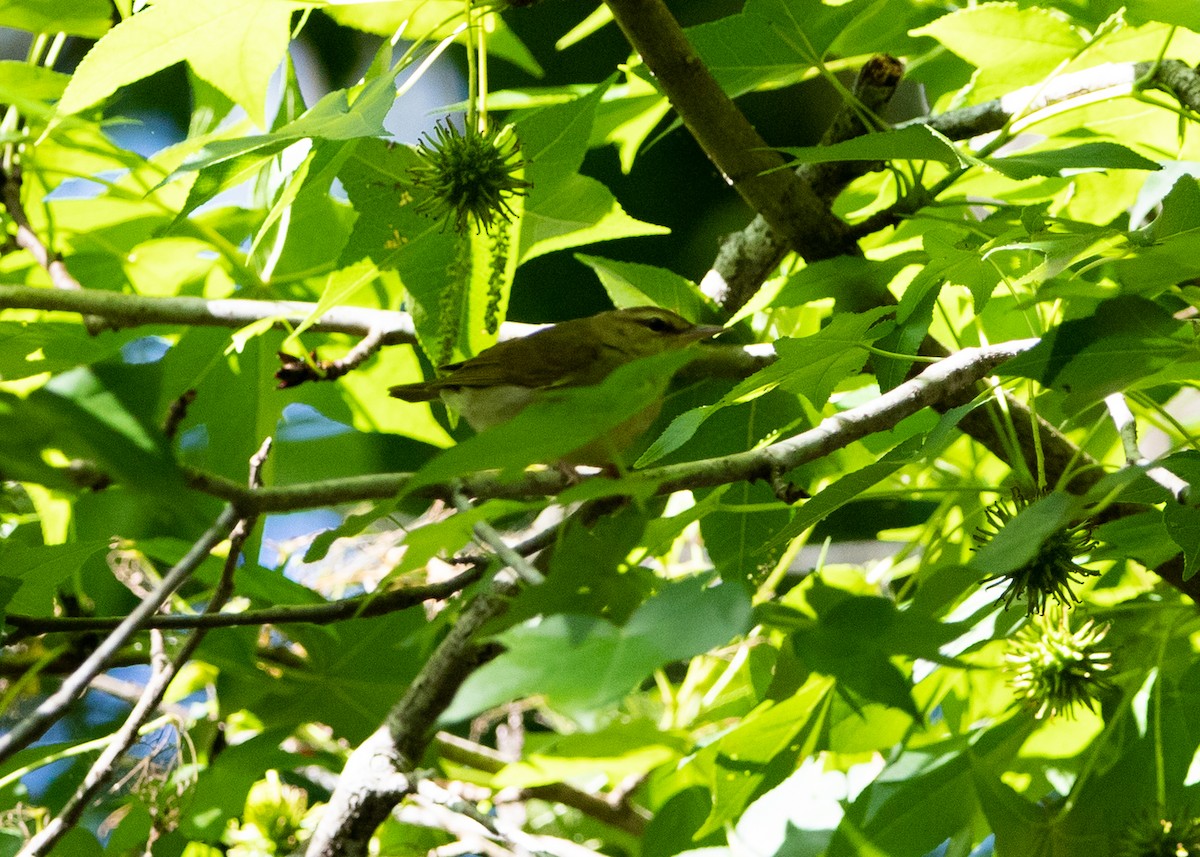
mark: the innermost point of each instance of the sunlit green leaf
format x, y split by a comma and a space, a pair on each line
172, 31
87, 18
566, 209
579, 663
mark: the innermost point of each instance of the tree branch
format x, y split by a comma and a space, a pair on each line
133, 310
32, 727
27, 239
748, 256
950, 378
379, 772
164, 671
727, 138
359, 607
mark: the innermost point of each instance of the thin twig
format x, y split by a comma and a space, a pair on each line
164, 671
487, 537
294, 371
359, 607
27, 239
30, 728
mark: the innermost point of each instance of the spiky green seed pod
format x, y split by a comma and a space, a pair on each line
1054, 668
470, 176
1050, 575
1152, 835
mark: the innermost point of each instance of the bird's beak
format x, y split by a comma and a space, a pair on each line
704, 331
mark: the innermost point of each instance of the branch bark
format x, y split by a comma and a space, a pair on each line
380, 771
787, 203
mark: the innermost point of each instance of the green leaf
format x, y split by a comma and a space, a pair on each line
1186, 465
797, 816
31, 347
855, 282
39, 571
336, 117
1021, 826
591, 570
336, 287
87, 18
630, 284
1020, 539
914, 143
891, 816
761, 751
563, 208
847, 489
579, 664
1178, 208
1010, 46
955, 258
1183, 526
448, 536
814, 365
1168, 11
1101, 155
619, 750
391, 233
341, 683
1124, 344
429, 19
30, 87
87, 414
771, 42
222, 785
855, 639
233, 44
1142, 536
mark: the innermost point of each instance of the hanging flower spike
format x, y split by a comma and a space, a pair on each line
470, 176
1050, 574
1054, 669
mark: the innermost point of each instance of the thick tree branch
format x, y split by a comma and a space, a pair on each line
380, 771
748, 256
727, 138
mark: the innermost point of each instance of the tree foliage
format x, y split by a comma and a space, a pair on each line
960, 337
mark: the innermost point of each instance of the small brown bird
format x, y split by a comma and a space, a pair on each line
500, 382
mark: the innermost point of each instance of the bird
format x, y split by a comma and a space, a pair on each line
501, 381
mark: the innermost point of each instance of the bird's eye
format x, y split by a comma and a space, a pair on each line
658, 325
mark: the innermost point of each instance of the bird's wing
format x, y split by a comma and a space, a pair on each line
542, 360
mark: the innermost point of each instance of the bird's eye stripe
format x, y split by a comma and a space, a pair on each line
658, 325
